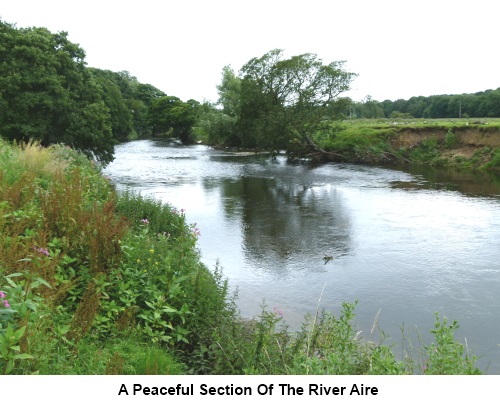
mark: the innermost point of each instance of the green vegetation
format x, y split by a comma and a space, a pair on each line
477, 105
275, 103
460, 143
92, 282
295, 105
48, 94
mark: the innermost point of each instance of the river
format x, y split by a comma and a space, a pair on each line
406, 243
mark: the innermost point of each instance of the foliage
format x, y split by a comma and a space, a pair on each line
216, 127
326, 345
230, 92
275, 100
169, 116
75, 272
446, 355
481, 104
48, 94
450, 139
494, 163
121, 114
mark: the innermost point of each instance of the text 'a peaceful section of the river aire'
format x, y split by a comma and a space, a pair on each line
261, 389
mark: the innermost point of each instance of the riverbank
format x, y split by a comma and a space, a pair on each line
467, 144
99, 282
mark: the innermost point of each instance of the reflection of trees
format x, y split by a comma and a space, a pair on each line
466, 182
284, 222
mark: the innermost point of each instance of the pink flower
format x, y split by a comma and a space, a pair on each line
6, 303
43, 251
278, 312
2, 294
145, 221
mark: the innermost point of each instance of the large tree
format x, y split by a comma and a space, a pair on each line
48, 94
170, 116
284, 101
113, 92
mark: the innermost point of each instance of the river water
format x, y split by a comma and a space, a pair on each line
406, 243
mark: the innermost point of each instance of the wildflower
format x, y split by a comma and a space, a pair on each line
2, 294
144, 221
151, 251
6, 304
43, 251
278, 312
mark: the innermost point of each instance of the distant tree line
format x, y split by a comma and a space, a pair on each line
47, 93
484, 104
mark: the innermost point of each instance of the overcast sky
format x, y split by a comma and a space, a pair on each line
399, 48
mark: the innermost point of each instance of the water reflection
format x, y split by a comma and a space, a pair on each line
472, 183
284, 222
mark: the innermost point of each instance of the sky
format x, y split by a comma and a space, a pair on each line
398, 48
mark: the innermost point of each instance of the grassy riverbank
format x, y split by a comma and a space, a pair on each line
95, 282
462, 143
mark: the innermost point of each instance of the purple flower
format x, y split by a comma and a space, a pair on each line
6, 303
2, 294
278, 312
144, 221
43, 251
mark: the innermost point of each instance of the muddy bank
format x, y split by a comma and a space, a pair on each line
476, 137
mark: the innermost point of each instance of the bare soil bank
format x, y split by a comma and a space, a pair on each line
459, 142
475, 137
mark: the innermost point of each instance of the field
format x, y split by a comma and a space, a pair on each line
463, 143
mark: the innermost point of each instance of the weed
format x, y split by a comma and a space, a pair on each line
450, 139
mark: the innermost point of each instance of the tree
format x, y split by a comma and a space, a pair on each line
121, 116
370, 108
170, 116
230, 92
282, 100
48, 94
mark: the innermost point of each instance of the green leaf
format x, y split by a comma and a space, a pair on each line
19, 333
42, 281
9, 367
23, 356
169, 310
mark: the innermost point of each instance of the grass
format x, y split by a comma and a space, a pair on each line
94, 282
425, 122
421, 141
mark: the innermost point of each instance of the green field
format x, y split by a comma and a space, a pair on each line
464, 143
